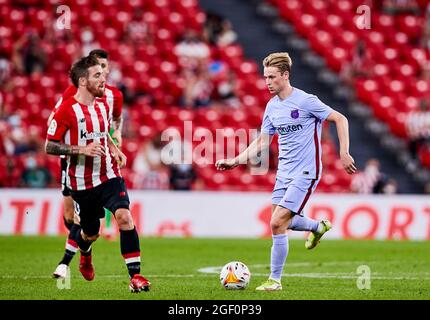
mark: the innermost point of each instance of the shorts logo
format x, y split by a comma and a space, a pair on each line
52, 127
295, 114
122, 194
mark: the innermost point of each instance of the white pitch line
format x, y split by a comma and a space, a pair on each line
335, 275
212, 271
110, 276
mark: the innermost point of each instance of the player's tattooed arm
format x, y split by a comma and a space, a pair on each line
57, 148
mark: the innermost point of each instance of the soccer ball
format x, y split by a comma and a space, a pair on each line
235, 275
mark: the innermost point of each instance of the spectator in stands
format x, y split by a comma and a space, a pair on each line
385, 185
88, 41
366, 180
138, 30
198, 87
191, 50
35, 174
425, 71
418, 126
425, 41
28, 54
5, 70
226, 90
151, 173
427, 188
400, 7
227, 36
359, 67
212, 27
182, 176
7, 146
390, 187
218, 31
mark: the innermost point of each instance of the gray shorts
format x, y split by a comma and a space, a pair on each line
293, 193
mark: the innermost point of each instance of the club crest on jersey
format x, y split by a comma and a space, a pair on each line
295, 114
85, 135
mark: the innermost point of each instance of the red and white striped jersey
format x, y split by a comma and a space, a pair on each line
112, 95
78, 124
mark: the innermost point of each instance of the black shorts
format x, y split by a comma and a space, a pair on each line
111, 195
64, 189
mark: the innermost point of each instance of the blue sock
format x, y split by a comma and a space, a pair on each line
278, 255
300, 223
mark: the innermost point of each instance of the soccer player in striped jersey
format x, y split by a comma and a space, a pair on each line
80, 131
296, 117
114, 98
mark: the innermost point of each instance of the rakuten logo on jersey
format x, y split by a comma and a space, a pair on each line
289, 128
84, 135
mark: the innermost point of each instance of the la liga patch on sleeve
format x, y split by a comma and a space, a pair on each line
52, 128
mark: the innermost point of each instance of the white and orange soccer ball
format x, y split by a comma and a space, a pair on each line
235, 275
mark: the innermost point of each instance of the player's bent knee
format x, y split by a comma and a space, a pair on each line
93, 238
276, 225
124, 219
91, 229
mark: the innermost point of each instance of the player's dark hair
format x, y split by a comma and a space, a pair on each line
99, 53
80, 69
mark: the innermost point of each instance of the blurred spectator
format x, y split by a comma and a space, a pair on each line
427, 188
365, 181
425, 41
191, 50
385, 185
425, 71
360, 65
5, 70
88, 41
28, 54
372, 180
138, 30
151, 173
34, 174
390, 187
227, 35
7, 146
212, 27
198, 88
400, 7
182, 176
226, 90
418, 126
218, 30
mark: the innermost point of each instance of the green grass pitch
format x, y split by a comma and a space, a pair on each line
189, 269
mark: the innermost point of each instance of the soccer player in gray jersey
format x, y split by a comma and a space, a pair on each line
296, 116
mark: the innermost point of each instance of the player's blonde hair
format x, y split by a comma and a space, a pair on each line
280, 60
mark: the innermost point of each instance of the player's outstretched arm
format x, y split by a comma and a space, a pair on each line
94, 149
259, 144
343, 135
